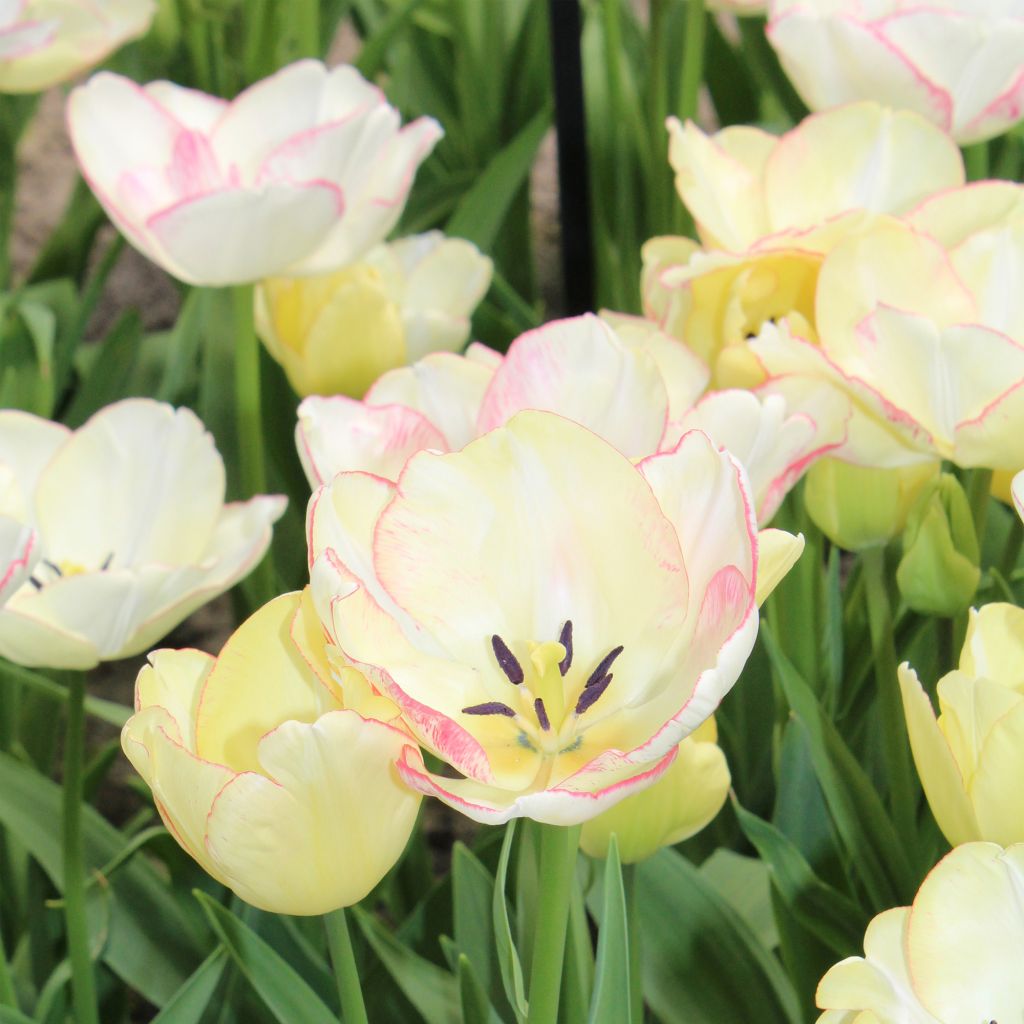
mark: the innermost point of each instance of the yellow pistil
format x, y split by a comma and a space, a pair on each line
549, 685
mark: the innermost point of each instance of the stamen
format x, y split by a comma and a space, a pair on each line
507, 660
542, 714
565, 639
52, 565
493, 707
601, 671
35, 583
592, 693
106, 562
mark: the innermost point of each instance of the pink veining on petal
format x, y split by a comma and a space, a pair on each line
20, 563
193, 169
1006, 109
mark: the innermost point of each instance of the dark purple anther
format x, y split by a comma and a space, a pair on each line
106, 562
493, 707
507, 660
590, 696
542, 714
597, 676
52, 565
565, 639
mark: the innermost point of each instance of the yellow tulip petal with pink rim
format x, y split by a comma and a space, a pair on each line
131, 531
777, 553
302, 173
46, 42
965, 932
519, 600
956, 63
685, 799
292, 800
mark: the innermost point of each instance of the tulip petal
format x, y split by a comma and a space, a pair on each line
27, 444
19, 552
447, 389
995, 792
118, 480
994, 645
581, 370
940, 775
967, 913
333, 809
777, 553
339, 434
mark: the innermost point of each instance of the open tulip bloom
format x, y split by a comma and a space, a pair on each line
300, 174
627, 381
45, 42
550, 618
115, 532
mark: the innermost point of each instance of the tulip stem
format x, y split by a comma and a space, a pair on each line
83, 986
249, 423
692, 73
979, 491
895, 744
558, 846
353, 1009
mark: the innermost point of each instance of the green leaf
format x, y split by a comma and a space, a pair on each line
153, 945
481, 211
824, 911
611, 1003
508, 957
702, 964
431, 989
278, 984
110, 364
864, 828
374, 49
745, 884
188, 1004
473, 895
8, 1015
475, 1007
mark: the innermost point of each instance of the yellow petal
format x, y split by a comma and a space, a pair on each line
777, 553
994, 645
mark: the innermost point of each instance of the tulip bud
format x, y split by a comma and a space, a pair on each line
860, 507
939, 572
685, 799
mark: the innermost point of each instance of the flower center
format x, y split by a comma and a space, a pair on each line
48, 572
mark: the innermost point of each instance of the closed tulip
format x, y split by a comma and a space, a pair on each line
302, 173
970, 759
685, 799
957, 62
952, 957
768, 209
45, 42
279, 780
336, 334
572, 616
125, 532
621, 377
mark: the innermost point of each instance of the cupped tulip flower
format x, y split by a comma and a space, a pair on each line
768, 209
951, 957
129, 531
274, 772
46, 42
956, 62
925, 342
619, 376
571, 616
302, 173
682, 802
971, 757
335, 334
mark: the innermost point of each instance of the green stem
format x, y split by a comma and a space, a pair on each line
353, 1010
8, 996
558, 846
768, 77
1011, 552
895, 744
693, 59
976, 161
636, 980
83, 985
249, 424
979, 495
307, 27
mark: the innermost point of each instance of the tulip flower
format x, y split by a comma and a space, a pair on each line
1017, 493
337, 333
925, 341
571, 618
302, 173
128, 527
273, 775
971, 757
46, 42
685, 799
768, 209
951, 957
629, 383
956, 63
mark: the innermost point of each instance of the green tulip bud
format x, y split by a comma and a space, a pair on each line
939, 572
